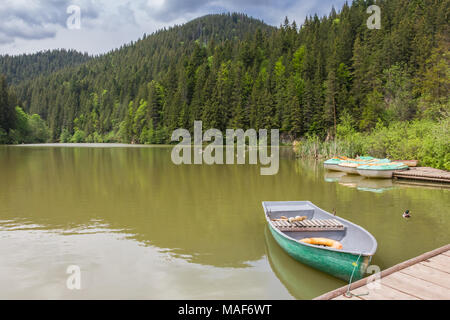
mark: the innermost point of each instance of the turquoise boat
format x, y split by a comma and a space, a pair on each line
348, 263
381, 170
292, 273
350, 166
334, 164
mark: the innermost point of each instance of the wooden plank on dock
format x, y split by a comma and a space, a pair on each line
441, 262
424, 277
426, 273
423, 173
416, 287
341, 297
382, 293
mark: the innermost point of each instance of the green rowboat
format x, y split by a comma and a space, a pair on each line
348, 263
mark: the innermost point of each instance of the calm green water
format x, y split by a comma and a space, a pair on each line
139, 226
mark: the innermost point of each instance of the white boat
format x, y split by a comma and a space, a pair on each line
381, 170
349, 167
332, 164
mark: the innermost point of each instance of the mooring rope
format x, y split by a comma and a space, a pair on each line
348, 294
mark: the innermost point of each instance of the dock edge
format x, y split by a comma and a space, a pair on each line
340, 291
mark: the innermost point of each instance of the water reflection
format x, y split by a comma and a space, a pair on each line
359, 182
138, 191
302, 281
377, 185
143, 227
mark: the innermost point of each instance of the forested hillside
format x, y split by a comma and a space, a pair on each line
332, 74
95, 97
15, 125
27, 66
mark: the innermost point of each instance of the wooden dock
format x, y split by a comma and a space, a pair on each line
426, 277
423, 174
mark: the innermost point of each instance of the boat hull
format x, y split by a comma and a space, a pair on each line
348, 170
338, 264
332, 167
379, 174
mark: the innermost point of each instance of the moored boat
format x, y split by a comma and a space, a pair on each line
381, 170
409, 163
350, 166
348, 247
333, 164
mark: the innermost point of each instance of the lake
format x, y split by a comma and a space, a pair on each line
140, 227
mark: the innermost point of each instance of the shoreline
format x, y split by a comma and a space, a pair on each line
89, 145
101, 145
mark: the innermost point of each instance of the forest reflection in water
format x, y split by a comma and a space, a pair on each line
137, 223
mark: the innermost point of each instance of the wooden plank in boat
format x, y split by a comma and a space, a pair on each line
309, 223
304, 229
310, 226
331, 222
337, 222
314, 223
324, 224
328, 223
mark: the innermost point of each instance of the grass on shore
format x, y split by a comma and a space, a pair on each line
424, 140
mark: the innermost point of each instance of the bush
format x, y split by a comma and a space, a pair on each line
111, 137
424, 140
38, 129
4, 139
28, 129
78, 137
65, 136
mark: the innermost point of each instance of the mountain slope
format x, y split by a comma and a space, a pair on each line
231, 71
109, 82
27, 66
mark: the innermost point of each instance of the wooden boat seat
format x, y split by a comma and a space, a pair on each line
309, 225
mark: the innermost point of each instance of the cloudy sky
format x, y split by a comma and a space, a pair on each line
28, 26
